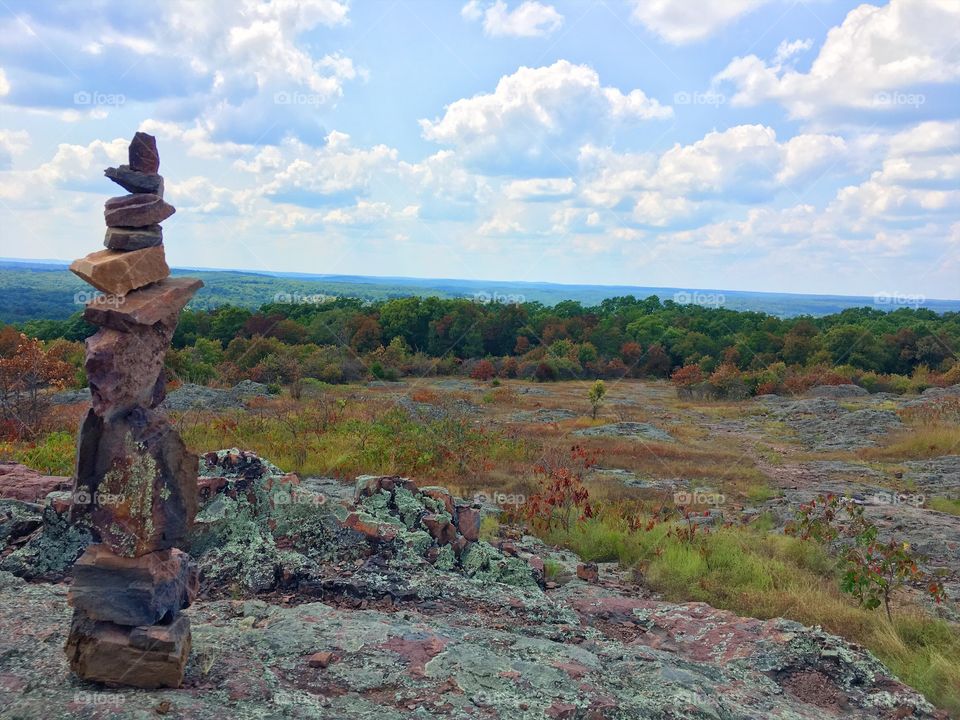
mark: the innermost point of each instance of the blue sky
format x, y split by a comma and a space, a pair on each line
804, 146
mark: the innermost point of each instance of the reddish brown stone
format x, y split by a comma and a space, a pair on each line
19, 482
588, 572
133, 591
440, 528
142, 153
139, 481
372, 530
117, 273
157, 303
145, 657
440, 495
468, 522
136, 210
123, 367
320, 659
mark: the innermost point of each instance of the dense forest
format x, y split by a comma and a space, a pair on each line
714, 350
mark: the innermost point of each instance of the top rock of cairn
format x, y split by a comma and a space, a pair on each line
143, 153
134, 257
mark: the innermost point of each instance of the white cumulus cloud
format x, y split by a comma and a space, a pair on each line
538, 117
684, 22
528, 19
876, 51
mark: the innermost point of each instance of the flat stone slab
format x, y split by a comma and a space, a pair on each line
157, 303
136, 210
133, 591
117, 273
143, 657
134, 181
133, 238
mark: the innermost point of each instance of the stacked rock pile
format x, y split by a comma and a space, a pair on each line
135, 479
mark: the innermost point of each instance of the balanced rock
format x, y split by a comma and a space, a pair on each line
134, 181
133, 591
157, 303
123, 366
147, 657
133, 238
139, 480
117, 273
136, 210
143, 153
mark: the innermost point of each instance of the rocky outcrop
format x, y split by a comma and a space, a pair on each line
19, 482
135, 483
483, 650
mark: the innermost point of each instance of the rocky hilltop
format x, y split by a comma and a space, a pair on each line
318, 600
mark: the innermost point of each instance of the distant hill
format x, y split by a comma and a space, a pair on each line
39, 289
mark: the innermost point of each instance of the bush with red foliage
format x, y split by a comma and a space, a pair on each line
562, 498
483, 370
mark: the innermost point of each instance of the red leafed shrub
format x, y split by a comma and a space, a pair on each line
483, 370
687, 375
26, 376
562, 497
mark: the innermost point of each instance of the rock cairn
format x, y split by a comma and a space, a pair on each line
135, 481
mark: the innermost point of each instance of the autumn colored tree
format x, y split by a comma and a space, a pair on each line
26, 377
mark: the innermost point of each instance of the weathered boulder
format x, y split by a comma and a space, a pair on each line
138, 479
116, 272
157, 303
134, 181
468, 522
123, 367
143, 154
136, 210
144, 657
133, 238
22, 483
144, 590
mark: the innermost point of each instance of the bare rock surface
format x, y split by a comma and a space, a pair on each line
22, 483
643, 431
